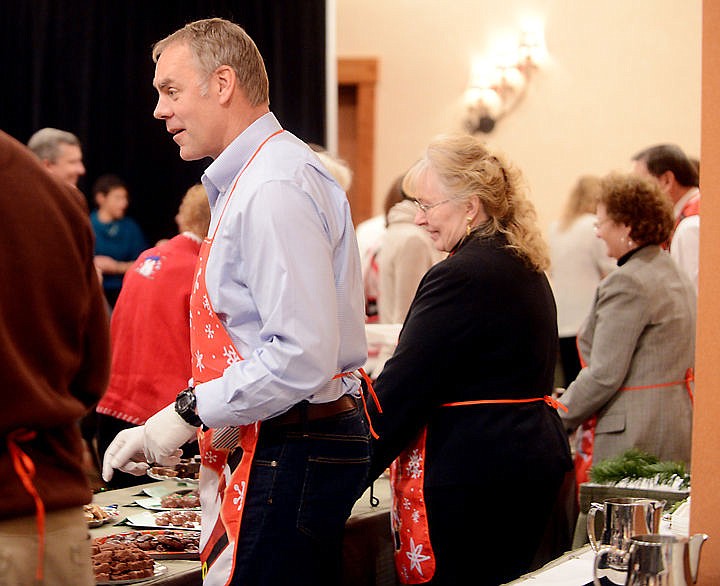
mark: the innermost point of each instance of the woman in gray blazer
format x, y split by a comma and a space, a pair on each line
637, 345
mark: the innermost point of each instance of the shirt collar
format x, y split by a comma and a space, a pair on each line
192, 236
219, 175
680, 204
626, 257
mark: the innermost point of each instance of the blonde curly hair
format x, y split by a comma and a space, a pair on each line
467, 168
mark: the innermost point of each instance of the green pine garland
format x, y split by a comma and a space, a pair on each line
636, 464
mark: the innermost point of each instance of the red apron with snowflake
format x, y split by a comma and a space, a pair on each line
222, 491
585, 438
414, 557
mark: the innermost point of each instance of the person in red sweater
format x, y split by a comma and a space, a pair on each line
55, 364
150, 330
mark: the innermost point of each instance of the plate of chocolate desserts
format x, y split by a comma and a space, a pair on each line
178, 500
185, 471
175, 519
117, 563
160, 544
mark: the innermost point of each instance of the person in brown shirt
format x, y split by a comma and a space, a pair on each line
55, 365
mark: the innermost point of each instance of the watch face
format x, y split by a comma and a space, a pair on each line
185, 401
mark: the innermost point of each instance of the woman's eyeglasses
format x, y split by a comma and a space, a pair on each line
425, 208
598, 224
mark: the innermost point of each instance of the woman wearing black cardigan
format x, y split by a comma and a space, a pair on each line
466, 396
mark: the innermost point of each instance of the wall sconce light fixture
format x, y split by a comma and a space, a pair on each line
497, 87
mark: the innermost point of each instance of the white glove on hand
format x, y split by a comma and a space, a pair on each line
165, 432
126, 453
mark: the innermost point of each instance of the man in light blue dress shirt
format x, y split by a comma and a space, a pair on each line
283, 276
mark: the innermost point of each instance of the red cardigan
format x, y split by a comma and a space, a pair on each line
150, 332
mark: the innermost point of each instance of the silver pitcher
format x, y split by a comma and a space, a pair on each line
659, 560
624, 517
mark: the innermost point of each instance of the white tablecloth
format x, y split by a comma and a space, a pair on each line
575, 568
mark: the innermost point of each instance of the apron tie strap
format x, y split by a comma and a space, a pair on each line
689, 378
554, 403
372, 393
25, 469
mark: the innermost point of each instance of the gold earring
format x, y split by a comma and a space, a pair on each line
468, 229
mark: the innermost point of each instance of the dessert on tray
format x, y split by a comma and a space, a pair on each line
185, 471
174, 501
115, 562
185, 519
95, 515
160, 544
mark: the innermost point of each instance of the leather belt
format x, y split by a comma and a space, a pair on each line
305, 411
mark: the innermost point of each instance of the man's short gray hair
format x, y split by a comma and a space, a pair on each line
45, 143
214, 42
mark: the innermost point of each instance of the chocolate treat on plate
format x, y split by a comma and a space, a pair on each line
184, 470
116, 561
164, 471
181, 501
188, 469
170, 543
179, 518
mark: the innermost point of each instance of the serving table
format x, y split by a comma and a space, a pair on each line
575, 568
367, 548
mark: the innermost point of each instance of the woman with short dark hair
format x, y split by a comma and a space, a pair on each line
637, 344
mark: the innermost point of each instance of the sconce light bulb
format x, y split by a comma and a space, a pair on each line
531, 49
486, 124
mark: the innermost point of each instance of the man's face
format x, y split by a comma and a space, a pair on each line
192, 118
69, 164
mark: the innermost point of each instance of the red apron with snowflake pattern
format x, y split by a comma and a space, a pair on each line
222, 491
414, 557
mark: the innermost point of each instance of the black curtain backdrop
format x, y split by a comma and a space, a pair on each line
85, 66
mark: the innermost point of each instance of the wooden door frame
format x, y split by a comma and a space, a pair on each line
361, 74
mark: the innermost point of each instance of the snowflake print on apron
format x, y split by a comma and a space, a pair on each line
222, 491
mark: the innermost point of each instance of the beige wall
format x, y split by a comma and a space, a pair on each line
622, 74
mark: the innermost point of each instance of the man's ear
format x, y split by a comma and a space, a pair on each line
666, 179
226, 82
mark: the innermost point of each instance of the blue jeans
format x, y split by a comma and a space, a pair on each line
304, 481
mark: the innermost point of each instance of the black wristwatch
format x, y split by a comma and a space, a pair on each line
185, 405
